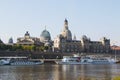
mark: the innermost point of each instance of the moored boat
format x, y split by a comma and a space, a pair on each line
19, 61
86, 60
25, 61
5, 62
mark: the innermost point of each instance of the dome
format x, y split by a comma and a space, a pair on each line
67, 34
1, 42
84, 37
10, 40
45, 36
27, 35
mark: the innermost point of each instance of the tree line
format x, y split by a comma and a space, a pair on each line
4, 47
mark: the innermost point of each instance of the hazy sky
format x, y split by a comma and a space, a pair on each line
94, 18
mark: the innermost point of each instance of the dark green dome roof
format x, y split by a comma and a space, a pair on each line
45, 35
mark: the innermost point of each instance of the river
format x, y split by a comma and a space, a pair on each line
60, 72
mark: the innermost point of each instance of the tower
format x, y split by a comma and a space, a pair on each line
10, 41
66, 33
66, 24
74, 38
27, 35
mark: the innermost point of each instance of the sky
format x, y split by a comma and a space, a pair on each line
93, 18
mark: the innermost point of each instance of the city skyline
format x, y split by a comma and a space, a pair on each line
94, 19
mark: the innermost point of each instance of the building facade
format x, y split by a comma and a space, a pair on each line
45, 38
64, 43
44, 41
102, 46
28, 40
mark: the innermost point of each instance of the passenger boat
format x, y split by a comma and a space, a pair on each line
19, 61
25, 61
86, 60
5, 62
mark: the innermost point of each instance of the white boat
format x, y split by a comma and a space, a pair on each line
86, 60
5, 62
19, 61
25, 61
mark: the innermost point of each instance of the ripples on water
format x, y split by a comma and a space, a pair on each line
60, 72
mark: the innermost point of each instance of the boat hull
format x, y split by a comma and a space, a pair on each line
72, 63
18, 64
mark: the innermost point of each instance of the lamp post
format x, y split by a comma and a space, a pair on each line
114, 50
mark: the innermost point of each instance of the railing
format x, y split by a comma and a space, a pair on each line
47, 59
14, 57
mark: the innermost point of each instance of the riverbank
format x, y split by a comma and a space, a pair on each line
48, 55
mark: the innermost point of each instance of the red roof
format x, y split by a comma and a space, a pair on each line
115, 47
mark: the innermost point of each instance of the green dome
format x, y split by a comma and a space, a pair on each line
45, 35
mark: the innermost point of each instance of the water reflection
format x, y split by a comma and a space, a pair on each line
60, 72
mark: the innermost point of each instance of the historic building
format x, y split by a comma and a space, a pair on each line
115, 49
10, 41
28, 40
64, 43
45, 38
1, 42
102, 46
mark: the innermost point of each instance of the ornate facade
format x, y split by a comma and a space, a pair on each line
64, 43
46, 38
28, 40
102, 46
1, 42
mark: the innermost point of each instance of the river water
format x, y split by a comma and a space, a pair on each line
60, 72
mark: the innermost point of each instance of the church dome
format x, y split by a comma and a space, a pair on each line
84, 37
67, 34
10, 40
27, 35
1, 42
45, 36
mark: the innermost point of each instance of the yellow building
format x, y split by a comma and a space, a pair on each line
28, 40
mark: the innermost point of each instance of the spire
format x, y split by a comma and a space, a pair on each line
10, 40
45, 27
1, 42
27, 35
74, 38
66, 20
66, 24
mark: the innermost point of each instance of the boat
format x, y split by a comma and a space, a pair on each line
86, 60
19, 61
25, 61
5, 62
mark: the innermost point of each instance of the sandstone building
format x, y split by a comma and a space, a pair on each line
64, 43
